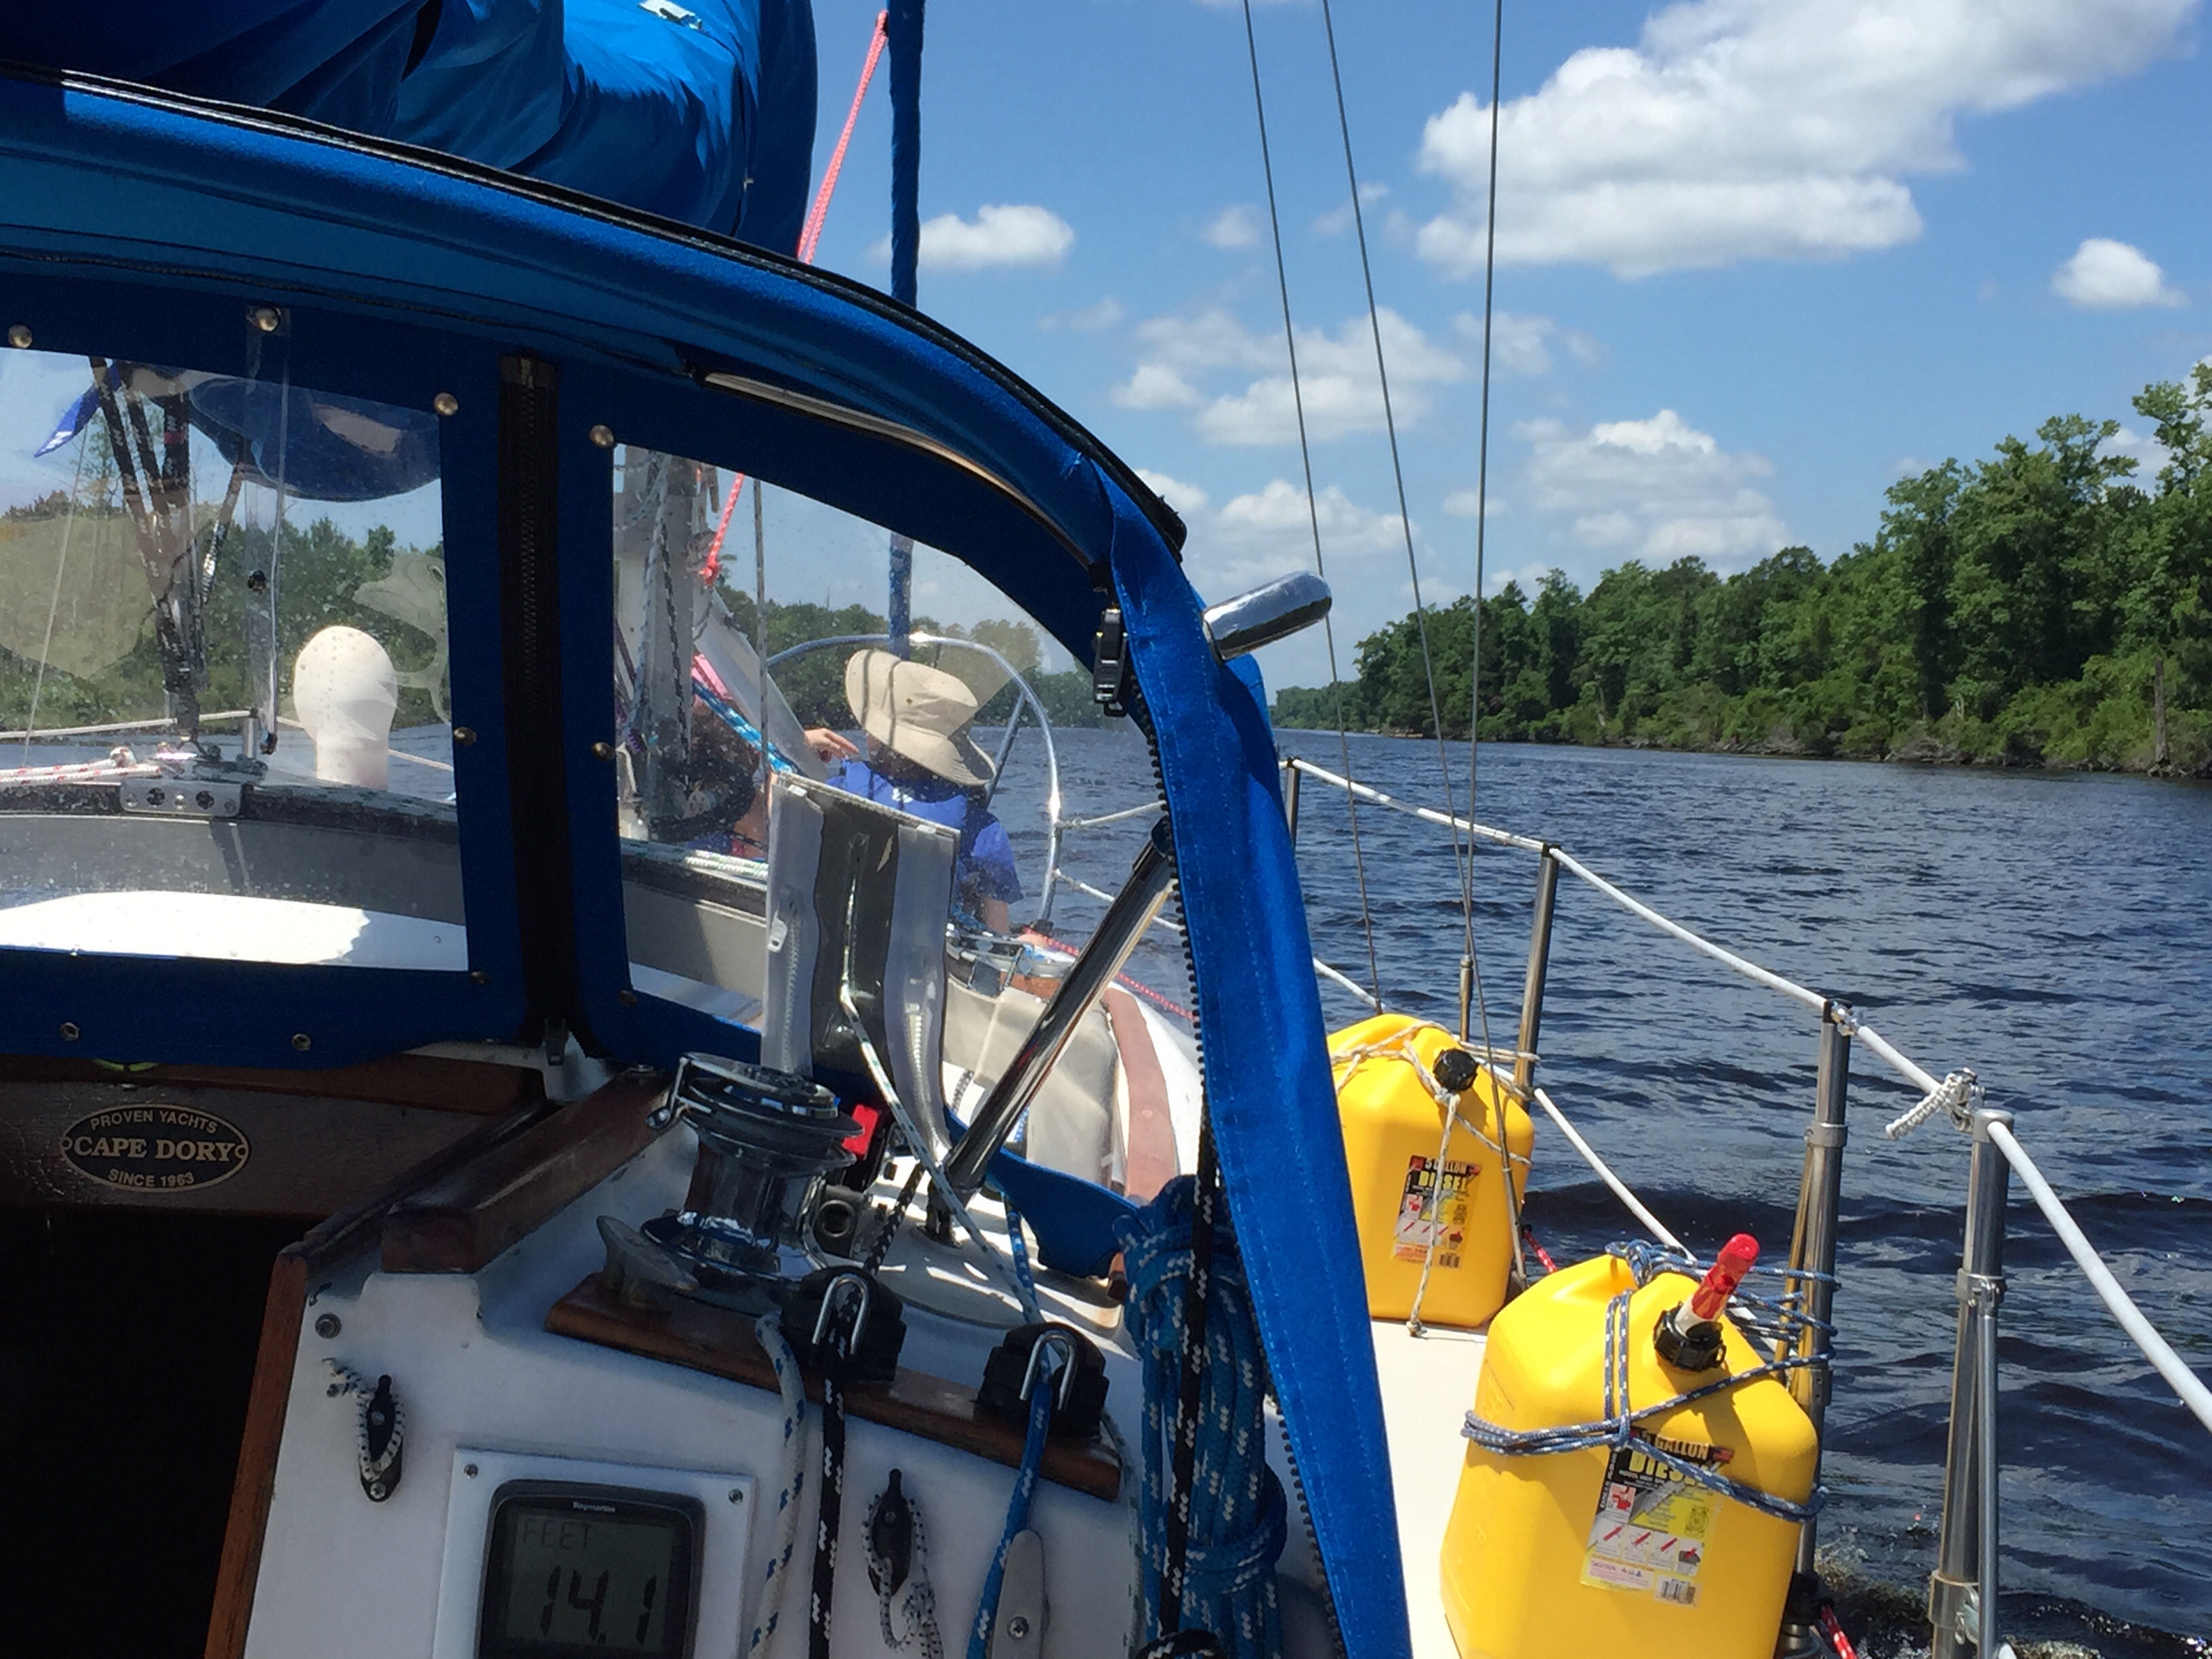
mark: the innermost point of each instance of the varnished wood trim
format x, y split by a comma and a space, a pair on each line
478, 1088
720, 1343
1149, 1160
458, 1224
326, 1246
255, 1483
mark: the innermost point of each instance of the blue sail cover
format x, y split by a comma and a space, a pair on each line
702, 112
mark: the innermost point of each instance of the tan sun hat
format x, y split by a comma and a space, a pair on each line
917, 712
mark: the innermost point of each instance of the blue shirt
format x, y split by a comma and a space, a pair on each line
985, 869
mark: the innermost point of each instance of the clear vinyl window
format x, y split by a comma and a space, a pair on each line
756, 654
223, 646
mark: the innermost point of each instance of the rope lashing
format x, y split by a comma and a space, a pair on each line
1784, 1323
1343, 1062
1401, 1046
1236, 1534
768, 1331
1959, 1094
380, 1429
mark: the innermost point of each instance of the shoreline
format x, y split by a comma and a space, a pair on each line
1923, 750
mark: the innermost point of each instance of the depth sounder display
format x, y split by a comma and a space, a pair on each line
573, 1569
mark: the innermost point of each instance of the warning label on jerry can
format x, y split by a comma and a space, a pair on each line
1432, 1215
1653, 1526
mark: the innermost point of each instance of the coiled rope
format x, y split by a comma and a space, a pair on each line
917, 1608
1957, 1094
1234, 1537
1775, 1327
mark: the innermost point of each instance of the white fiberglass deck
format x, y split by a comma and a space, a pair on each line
1428, 1384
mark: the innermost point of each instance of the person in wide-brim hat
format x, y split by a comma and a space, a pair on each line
920, 713
921, 759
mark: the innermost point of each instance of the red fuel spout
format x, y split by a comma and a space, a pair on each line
1688, 1335
1727, 1271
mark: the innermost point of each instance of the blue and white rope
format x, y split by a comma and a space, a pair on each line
1026, 1477
769, 1332
1238, 1512
1018, 1507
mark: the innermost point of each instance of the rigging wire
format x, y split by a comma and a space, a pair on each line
1313, 507
54, 605
1460, 854
1463, 852
1482, 439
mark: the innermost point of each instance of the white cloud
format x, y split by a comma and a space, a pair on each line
2149, 455
1209, 339
1232, 227
1088, 321
1761, 129
1185, 498
1268, 532
1280, 512
1156, 385
998, 235
1336, 375
1338, 219
1522, 345
2107, 276
1463, 504
1657, 490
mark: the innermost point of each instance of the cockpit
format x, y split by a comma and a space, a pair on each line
599, 796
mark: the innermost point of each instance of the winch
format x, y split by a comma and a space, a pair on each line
755, 1215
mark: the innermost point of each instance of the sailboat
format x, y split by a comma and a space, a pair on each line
422, 854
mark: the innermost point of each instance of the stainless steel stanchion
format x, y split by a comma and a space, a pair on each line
1962, 1593
1813, 1252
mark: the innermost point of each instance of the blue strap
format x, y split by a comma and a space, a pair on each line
1267, 1084
1074, 1220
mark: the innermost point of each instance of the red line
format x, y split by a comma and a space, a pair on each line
820, 211
808, 238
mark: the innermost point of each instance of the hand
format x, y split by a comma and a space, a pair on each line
829, 745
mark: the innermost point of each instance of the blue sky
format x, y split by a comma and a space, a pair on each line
1758, 258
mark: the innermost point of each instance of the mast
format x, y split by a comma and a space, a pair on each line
904, 30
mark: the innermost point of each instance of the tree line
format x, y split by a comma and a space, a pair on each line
2047, 605
813, 683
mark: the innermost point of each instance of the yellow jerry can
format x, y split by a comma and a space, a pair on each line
1606, 1550
1410, 1212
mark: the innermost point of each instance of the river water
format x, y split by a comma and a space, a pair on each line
2053, 932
